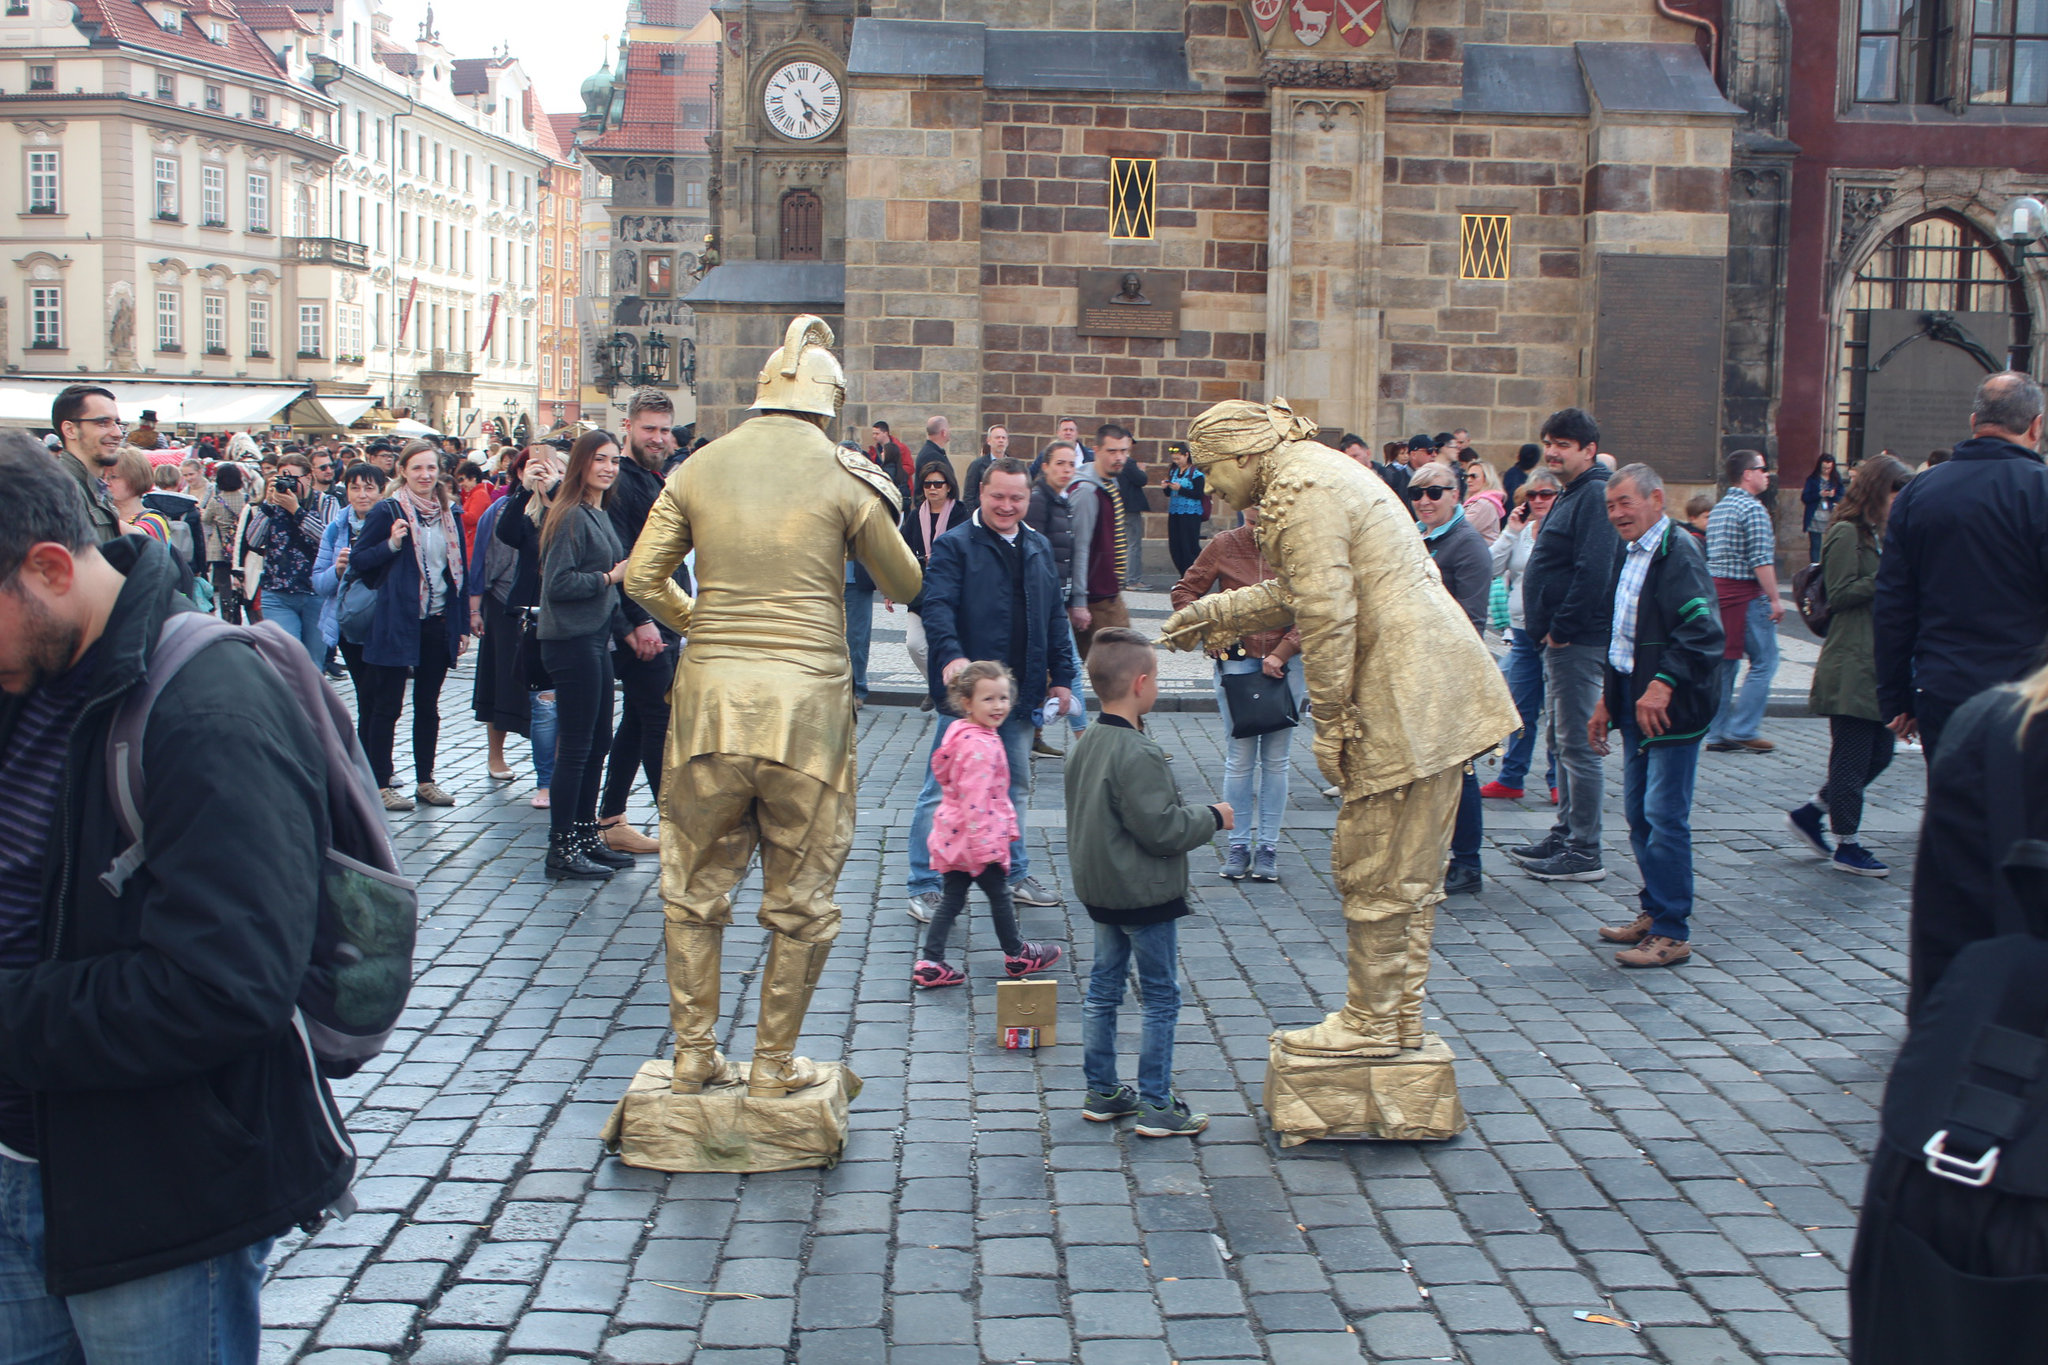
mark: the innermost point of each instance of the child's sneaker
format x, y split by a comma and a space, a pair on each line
1176, 1120
927, 974
1031, 957
1119, 1103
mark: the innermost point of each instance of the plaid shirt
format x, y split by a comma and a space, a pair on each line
1739, 536
1628, 591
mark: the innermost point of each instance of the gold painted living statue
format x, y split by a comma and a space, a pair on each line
760, 744
1404, 695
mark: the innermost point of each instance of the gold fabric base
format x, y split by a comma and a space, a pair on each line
1409, 1097
722, 1129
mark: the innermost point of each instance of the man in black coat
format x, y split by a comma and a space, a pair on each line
1567, 598
1661, 688
936, 430
160, 1119
1962, 588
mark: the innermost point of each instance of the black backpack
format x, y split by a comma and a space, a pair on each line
1810, 596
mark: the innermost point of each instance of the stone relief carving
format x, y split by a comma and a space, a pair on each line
1861, 206
1325, 112
121, 318
1376, 73
625, 273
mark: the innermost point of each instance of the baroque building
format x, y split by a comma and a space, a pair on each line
561, 237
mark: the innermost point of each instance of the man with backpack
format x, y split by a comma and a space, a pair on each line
161, 1120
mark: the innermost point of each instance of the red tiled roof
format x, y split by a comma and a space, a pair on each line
562, 128
129, 24
269, 18
673, 13
655, 99
470, 75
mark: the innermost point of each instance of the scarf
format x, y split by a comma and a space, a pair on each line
925, 521
419, 512
1123, 540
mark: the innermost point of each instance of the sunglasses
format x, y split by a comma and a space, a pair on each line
1544, 493
936, 483
1435, 491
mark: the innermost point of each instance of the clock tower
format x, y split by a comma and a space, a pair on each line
778, 190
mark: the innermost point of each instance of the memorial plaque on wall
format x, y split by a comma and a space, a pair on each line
1657, 363
1923, 373
1129, 303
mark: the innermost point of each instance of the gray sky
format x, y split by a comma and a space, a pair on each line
557, 44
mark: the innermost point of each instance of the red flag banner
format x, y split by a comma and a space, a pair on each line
490, 324
405, 309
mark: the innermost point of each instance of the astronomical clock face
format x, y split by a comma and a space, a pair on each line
802, 101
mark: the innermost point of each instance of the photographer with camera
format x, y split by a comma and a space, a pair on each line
293, 520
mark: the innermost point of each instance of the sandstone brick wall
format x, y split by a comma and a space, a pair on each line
1045, 216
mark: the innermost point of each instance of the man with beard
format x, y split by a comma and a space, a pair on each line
646, 658
89, 425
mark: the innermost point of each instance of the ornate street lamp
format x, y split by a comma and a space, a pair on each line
655, 368
2023, 226
615, 352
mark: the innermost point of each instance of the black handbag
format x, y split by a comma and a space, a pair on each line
1259, 705
531, 666
1951, 1259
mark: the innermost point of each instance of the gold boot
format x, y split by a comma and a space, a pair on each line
693, 963
1421, 929
1376, 958
786, 984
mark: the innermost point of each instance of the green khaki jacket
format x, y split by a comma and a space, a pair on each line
105, 519
1128, 832
1845, 679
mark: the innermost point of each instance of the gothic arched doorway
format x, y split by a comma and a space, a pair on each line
1933, 308
803, 226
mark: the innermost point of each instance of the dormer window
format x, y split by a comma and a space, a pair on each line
217, 33
166, 87
42, 78
259, 106
216, 98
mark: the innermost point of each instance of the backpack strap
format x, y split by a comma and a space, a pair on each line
182, 635
2008, 827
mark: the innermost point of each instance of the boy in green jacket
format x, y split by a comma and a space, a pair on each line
1128, 838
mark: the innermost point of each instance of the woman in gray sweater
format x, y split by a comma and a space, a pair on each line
581, 565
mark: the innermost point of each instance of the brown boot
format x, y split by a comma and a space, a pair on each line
788, 980
621, 837
1633, 932
693, 965
1368, 1026
1655, 951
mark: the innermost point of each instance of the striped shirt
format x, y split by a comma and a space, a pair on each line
1628, 592
1739, 536
31, 780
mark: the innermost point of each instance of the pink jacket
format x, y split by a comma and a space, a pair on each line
975, 821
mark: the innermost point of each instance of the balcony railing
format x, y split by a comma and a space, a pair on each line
457, 361
332, 251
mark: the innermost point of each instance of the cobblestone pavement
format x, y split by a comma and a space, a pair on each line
1682, 1148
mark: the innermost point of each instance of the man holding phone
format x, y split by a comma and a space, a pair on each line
1661, 674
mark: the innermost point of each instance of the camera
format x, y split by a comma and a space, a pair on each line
288, 483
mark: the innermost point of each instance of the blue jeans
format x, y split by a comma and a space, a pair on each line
1016, 733
1741, 716
1267, 752
1077, 719
299, 614
1470, 826
1656, 796
1524, 669
860, 626
205, 1313
543, 737
1157, 950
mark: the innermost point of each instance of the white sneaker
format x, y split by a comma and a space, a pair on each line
923, 906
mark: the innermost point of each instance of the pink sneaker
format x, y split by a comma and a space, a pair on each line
540, 799
928, 975
1035, 957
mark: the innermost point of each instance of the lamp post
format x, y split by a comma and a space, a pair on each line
615, 351
654, 366
2023, 226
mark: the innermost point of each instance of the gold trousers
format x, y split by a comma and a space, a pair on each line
1391, 847
718, 808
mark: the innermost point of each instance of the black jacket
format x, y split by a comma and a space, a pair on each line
973, 588
631, 498
1052, 516
1962, 589
1466, 567
931, 452
970, 485
177, 1112
1678, 637
516, 529
1568, 590
913, 527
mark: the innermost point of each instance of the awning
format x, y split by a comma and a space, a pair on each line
406, 426
346, 411
327, 412
217, 407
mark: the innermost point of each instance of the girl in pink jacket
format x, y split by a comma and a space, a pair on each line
972, 830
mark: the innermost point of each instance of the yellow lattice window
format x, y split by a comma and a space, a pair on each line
1482, 246
1133, 197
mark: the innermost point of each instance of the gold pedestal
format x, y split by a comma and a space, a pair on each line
1409, 1097
723, 1129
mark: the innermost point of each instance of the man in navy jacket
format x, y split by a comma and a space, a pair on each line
991, 591
1962, 588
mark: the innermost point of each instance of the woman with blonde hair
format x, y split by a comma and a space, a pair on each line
1486, 505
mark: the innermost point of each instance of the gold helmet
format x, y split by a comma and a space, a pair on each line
803, 376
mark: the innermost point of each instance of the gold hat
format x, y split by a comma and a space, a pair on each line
803, 376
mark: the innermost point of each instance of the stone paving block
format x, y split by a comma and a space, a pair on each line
444, 1347
648, 1346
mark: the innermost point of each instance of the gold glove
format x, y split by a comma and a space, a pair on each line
1330, 756
1193, 628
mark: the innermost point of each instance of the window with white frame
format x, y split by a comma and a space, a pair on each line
166, 187
168, 331
259, 106
568, 371
216, 98
17, 7
259, 202
693, 194
348, 342
547, 251
46, 317
166, 83
42, 182
41, 77
547, 372
213, 196
213, 323
547, 310
312, 330
259, 327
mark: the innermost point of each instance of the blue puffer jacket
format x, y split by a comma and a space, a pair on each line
967, 607
395, 630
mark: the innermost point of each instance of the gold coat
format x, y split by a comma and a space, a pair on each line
773, 512
1394, 670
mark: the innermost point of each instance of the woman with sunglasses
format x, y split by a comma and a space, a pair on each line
1466, 567
1524, 664
937, 510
